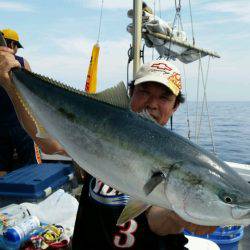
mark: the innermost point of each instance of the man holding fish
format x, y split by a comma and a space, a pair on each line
156, 93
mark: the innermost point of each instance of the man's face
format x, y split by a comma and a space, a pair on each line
156, 99
13, 46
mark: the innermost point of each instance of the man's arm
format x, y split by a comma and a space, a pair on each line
163, 221
7, 62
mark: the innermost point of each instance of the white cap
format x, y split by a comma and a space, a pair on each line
160, 71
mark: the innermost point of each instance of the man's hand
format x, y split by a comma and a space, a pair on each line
7, 62
162, 222
198, 229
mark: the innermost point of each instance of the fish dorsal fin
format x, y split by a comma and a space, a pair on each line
116, 96
132, 210
145, 114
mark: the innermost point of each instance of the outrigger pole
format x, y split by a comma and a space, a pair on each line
137, 35
186, 45
186, 52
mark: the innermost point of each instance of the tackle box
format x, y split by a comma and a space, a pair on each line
35, 182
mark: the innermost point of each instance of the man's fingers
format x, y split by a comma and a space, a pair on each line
8, 61
6, 49
196, 229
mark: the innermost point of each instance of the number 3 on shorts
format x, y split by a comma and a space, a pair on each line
125, 237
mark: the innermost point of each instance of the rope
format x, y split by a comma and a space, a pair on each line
143, 53
197, 103
100, 23
153, 50
203, 100
191, 18
178, 7
154, 9
171, 123
130, 58
202, 106
204, 82
187, 110
178, 11
159, 3
177, 18
128, 82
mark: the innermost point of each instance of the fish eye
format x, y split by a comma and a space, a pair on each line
228, 199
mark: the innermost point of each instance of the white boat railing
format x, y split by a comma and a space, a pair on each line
55, 157
241, 169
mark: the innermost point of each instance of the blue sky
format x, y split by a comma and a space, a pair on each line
58, 36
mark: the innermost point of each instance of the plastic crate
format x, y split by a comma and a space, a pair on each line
227, 238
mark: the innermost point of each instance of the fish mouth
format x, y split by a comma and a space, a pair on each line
154, 114
241, 212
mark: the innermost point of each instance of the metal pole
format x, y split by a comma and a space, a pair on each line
137, 36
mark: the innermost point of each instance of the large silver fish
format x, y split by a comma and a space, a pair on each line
134, 155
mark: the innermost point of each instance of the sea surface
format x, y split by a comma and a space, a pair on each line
230, 126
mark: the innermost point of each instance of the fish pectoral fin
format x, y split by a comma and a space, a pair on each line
154, 181
132, 210
116, 96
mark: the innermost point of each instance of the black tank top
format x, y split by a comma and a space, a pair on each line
7, 112
95, 227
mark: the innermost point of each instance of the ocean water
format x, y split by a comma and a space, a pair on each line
230, 125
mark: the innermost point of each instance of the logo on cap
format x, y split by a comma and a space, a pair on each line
161, 65
175, 80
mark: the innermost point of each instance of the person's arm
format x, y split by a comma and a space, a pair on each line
7, 62
162, 222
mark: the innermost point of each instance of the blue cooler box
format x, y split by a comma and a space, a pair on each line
35, 182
